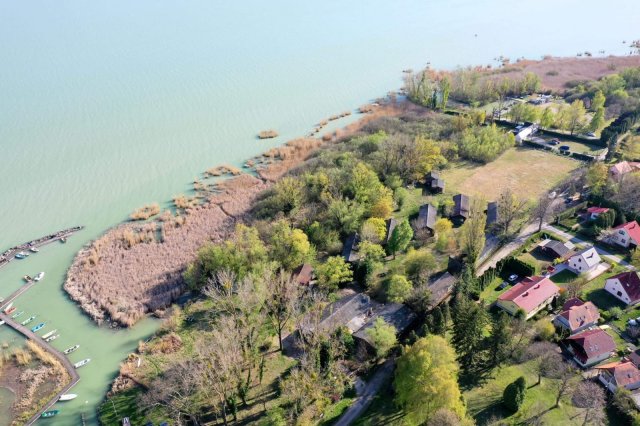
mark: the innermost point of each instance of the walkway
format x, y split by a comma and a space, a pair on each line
507, 249
10, 254
369, 392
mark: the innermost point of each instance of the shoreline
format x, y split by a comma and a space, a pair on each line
129, 271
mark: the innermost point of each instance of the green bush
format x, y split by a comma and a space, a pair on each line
514, 394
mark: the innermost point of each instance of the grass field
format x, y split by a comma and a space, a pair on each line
564, 277
527, 172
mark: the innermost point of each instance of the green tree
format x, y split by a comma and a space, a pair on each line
439, 325
374, 230
399, 289
596, 177
470, 321
288, 194
419, 265
371, 256
426, 380
400, 237
597, 105
514, 393
500, 339
445, 85
472, 235
546, 119
575, 116
290, 247
382, 337
484, 143
333, 272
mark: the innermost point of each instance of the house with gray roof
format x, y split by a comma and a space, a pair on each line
584, 261
426, 218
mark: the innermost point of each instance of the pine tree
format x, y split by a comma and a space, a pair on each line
469, 323
499, 341
439, 325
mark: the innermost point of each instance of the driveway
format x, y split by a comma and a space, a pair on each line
369, 391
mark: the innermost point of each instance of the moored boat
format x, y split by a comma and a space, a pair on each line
39, 276
16, 315
9, 306
22, 255
2, 322
34, 249
38, 327
28, 320
49, 334
82, 363
67, 397
10, 310
49, 413
63, 239
52, 338
27, 278
71, 349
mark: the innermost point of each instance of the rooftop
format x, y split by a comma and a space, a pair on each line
632, 228
592, 343
530, 293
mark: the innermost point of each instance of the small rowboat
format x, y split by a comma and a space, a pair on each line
28, 320
39, 276
49, 413
63, 239
82, 363
22, 255
52, 338
16, 315
49, 334
34, 249
38, 327
71, 349
10, 310
27, 278
2, 322
67, 397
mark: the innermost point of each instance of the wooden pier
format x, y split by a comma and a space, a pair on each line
5, 258
10, 254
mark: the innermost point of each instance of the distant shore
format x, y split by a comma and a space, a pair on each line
136, 268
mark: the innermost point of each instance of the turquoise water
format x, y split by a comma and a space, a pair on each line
106, 106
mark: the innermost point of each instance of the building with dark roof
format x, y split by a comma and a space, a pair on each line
624, 287
554, 249
591, 347
350, 248
426, 218
434, 183
461, 207
440, 288
492, 213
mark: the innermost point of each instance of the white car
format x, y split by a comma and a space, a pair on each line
513, 278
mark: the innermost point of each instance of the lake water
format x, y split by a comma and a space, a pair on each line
106, 106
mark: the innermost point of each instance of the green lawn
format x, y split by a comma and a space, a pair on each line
491, 293
122, 405
594, 290
564, 277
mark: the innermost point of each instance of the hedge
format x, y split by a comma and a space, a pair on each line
517, 266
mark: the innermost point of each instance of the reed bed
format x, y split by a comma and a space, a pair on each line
137, 273
268, 134
145, 212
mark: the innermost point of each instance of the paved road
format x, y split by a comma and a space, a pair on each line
508, 248
370, 390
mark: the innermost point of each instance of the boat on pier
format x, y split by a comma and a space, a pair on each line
67, 397
28, 320
38, 327
71, 349
49, 334
82, 363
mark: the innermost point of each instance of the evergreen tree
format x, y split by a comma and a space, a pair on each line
469, 323
514, 394
499, 341
439, 326
400, 238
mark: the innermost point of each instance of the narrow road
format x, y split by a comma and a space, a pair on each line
507, 249
370, 390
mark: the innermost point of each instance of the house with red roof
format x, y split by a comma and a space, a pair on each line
624, 287
590, 347
617, 171
594, 212
626, 235
577, 316
530, 295
619, 374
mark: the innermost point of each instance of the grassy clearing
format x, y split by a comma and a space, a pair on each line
582, 148
594, 291
564, 277
491, 292
526, 171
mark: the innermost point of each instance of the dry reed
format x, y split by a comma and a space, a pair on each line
145, 212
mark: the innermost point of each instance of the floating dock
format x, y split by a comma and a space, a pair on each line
10, 254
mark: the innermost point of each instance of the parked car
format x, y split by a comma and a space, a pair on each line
513, 278
554, 142
591, 135
502, 285
565, 148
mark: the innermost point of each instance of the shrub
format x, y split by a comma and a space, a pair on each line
514, 394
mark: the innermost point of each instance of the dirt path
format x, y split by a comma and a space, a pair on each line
369, 392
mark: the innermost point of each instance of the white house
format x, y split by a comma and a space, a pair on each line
585, 260
624, 287
626, 235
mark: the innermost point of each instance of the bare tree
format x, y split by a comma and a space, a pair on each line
591, 397
540, 352
282, 301
542, 210
556, 368
175, 391
510, 209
